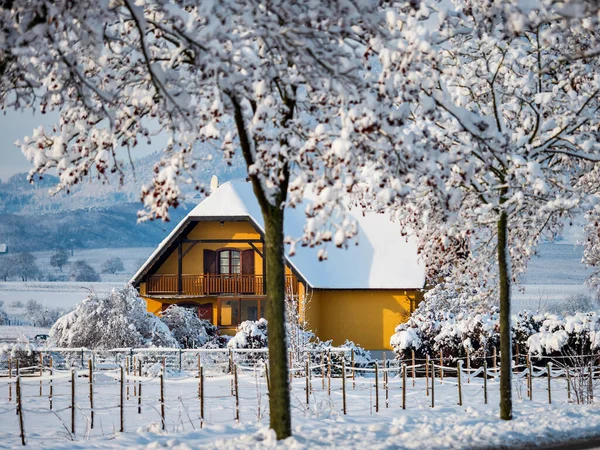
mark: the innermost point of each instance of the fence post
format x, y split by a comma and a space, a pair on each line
427, 375
329, 372
72, 401
343, 386
322, 371
485, 393
548, 367
590, 385
91, 383
17, 372
269, 381
133, 370
386, 384
469, 366
237, 394
376, 386
180, 360
127, 361
122, 398
495, 359
41, 370
82, 355
20, 410
432, 384
568, 385
517, 354
162, 399
231, 370
353, 371
530, 376
413, 366
201, 388
441, 365
458, 376
403, 386
50, 382
139, 386
307, 370
9, 379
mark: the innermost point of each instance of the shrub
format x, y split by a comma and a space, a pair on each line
189, 330
250, 334
116, 320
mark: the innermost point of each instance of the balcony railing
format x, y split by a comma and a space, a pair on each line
206, 284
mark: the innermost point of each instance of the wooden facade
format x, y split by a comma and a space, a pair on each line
215, 266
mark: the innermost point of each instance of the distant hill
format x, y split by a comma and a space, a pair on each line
93, 215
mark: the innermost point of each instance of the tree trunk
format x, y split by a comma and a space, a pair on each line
505, 329
279, 398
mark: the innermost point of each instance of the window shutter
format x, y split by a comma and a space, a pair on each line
210, 262
248, 262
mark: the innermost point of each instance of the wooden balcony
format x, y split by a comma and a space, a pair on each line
206, 285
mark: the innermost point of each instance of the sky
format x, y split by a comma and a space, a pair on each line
15, 126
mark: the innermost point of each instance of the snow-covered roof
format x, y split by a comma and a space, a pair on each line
382, 260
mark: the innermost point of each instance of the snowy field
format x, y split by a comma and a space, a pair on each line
320, 423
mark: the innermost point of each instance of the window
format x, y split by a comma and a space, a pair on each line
229, 262
233, 312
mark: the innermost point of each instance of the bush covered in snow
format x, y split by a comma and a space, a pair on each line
82, 271
429, 331
189, 330
250, 334
116, 320
23, 351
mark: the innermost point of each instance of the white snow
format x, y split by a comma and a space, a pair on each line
382, 260
320, 425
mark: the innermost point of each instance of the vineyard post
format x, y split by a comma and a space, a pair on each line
343, 386
122, 398
413, 366
73, 401
20, 411
548, 369
432, 384
427, 374
51, 389
201, 388
353, 371
307, 370
376, 386
403, 386
91, 383
162, 399
485, 393
458, 376
237, 394
139, 392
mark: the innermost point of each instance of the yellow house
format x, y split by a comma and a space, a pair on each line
213, 261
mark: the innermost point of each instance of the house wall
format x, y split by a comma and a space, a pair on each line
193, 262
366, 317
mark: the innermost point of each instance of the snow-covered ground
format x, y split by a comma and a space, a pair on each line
319, 424
13, 332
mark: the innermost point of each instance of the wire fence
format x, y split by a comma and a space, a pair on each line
103, 394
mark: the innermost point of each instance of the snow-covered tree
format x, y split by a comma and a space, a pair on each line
291, 85
82, 271
116, 320
112, 265
188, 329
25, 266
59, 259
510, 110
